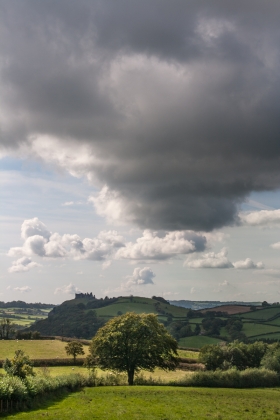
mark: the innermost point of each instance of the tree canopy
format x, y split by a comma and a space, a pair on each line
74, 348
132, 342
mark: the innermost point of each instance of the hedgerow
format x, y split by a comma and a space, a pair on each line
16, 389
232, 378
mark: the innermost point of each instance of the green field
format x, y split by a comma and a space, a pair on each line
275, 336
251, 329
261, 314
274, 322
197, 341
196, 320
140, 305
35, 349
23, 317
160, 403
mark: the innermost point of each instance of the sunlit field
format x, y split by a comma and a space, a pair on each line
161, 403
35, 349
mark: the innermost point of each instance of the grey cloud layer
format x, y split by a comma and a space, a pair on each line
173, 106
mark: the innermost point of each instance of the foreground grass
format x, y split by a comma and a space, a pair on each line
165, 403
36, 349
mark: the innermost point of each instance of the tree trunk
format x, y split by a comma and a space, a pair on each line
130, 376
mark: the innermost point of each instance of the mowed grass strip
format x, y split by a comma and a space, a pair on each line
36, 349
165, 403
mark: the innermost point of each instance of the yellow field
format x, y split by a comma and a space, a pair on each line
35, 349
66, 370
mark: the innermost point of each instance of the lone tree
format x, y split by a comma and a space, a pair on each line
132, 342
74, 348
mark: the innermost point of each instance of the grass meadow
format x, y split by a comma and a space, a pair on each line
262, 314
161, 403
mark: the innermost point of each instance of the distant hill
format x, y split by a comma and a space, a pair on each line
198, 305
81, 317
22, 304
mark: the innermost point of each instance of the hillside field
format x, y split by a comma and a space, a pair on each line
262, 323
262, 314
198, 341
230, 309
141, 305
83, 316
155, 403
24, 317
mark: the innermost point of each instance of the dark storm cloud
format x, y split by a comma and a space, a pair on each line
177, 103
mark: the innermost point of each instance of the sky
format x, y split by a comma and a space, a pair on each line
140, 149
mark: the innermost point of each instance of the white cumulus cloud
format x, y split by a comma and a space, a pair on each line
22, 264
220, 260
54, 245
151, 246
248, 264
276, 245
140, 277
33, 227
23, 289
210, 260
69, 289
260, 218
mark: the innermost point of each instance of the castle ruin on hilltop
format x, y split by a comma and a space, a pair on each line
84, 295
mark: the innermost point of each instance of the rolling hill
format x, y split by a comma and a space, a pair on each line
81, 317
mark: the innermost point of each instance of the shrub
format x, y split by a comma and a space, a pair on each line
271, 360
20, 365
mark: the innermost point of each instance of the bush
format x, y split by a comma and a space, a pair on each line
235, 354
20, 365
17, 389
271, 360
232, 378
